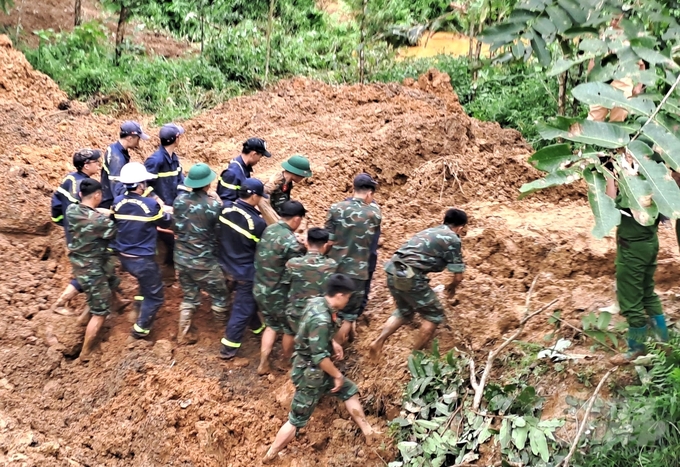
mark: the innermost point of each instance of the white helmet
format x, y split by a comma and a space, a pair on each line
134, 172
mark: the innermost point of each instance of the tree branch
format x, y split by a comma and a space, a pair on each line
656, 111
581, 429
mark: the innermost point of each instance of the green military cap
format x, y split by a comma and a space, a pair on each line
199, 175
298, 165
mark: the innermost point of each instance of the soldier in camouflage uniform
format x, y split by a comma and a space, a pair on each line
90, 232
277, 246
353, 225
431, 250
307, 276
280, 186
195, 216
314, 374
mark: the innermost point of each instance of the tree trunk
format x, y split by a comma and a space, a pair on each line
575, 81
471, 34
120, 32
77, 17
562, 96
362, 64
270, 24
478, 52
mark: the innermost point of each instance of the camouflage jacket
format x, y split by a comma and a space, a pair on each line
277, 246
430, 250
316, 331
90, 233
195, 215
353, 225
278, 190
306, 277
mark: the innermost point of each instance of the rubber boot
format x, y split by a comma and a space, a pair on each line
220, 314
660, 328
227, 353
59, 306
186, 312
636, 347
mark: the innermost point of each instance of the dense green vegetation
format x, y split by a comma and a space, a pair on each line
304, 41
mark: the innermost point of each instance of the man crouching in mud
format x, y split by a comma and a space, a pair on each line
314, 374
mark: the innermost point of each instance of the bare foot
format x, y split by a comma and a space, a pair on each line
264, 367
375, 350
270, 457
84, 356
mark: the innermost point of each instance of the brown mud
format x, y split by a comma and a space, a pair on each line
158, 403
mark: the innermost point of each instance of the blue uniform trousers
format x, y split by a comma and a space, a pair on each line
148, 274
243, 313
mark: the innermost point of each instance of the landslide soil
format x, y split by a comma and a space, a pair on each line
158, 403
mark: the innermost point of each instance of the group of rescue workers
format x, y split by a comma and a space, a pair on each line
308, 284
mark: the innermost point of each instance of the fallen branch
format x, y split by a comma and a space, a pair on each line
581, 429
479, 387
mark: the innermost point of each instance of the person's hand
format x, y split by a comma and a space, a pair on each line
213, 194
338, 351
337, 383
106, 212
166, 208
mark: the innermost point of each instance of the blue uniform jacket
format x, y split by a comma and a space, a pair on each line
137, 218
170, 176
115, 158
66, 195
231, 179
239, 230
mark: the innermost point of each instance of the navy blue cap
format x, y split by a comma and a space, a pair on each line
253, 186
132, 128
170, 132
364, 181
258, 145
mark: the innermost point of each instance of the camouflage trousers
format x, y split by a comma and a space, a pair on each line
211, 280
354, 307
293, 316
420, 298
273, 306
311, 384
97, 278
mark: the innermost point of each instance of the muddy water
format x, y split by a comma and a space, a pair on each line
441, 43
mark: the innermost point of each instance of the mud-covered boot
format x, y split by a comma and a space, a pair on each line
220, 314
184, 334
636, 347
59, 307
227, 352
660, 328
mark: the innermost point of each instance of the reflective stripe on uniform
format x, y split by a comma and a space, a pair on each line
139, 297
228, 343
260, 329
57, 219
148, 191
127, 217
229, 185
239, 229
68, 195
140, 330
174, 173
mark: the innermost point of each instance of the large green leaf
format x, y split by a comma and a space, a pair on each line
607, 216
607, 96
666, 193
602, 72
579, 31
545, 27
637, 196
538, 443
559, 18
575, 11
589, 132
631, 69
502, 34
559, 177
666, 144
542, 53
593, 46
520, 15
555, 127
654, 58
553, 157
